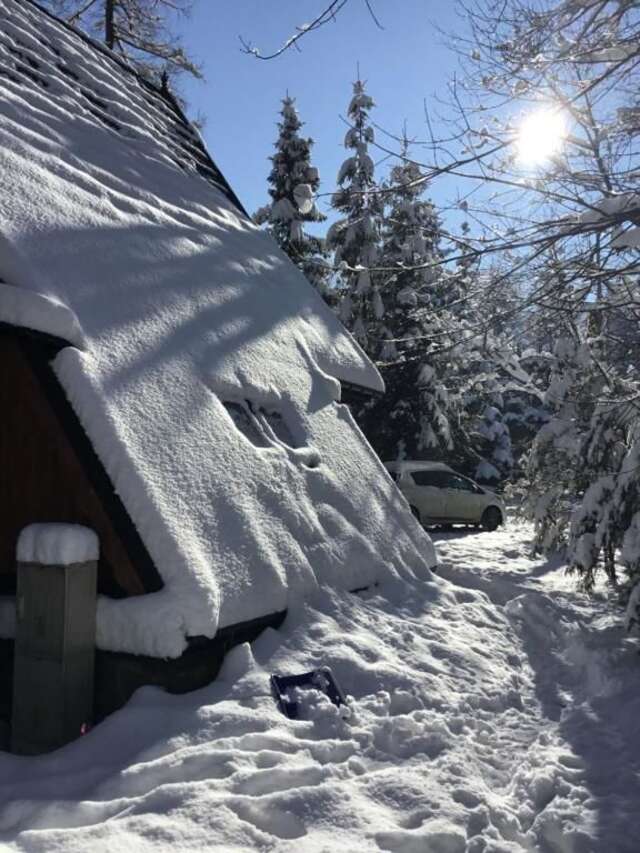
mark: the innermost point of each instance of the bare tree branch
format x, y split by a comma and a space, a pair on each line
328, 14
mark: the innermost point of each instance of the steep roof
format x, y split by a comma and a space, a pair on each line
119, 235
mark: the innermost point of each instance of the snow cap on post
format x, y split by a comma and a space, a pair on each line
56, 544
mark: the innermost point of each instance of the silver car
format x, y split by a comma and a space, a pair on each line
437, 495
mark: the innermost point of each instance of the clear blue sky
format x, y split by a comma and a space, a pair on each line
402, 64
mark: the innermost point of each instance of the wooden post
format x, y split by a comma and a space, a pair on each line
55, 636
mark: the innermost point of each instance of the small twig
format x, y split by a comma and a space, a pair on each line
328, 15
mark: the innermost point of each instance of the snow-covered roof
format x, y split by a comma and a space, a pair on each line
119, 235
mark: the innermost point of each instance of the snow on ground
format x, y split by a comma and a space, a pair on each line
492, 710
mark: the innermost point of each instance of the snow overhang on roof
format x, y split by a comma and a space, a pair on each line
175, 303
25, 309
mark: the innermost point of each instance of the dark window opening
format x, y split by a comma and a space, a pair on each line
244, 420
279, 426
263, 427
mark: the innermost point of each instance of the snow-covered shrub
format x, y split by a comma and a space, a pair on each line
497, 456
630, 555
585, 468
557, 473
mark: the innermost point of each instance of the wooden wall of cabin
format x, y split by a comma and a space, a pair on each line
42, 477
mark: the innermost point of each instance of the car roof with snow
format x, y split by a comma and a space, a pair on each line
203, 368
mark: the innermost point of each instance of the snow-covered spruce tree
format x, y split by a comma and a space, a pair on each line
355, 238
443, 371
412, 419
410, 313
141, 31
479, 367
293, 182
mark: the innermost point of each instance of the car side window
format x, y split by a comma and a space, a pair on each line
430, 478
460, 483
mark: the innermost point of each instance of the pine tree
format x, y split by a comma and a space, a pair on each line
412, 419
412, 315
479, 366
438, 369
355, 238
411, 245
293, 184
415, 317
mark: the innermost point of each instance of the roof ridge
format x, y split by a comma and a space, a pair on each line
170, 100
99, 45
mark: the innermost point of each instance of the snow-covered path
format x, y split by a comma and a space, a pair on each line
577, 787
492, 710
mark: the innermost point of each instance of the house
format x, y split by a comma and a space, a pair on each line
167, 377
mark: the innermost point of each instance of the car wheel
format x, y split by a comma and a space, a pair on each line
491, 518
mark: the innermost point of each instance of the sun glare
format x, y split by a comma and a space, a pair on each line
541, 135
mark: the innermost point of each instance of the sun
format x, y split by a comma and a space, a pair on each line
541, 135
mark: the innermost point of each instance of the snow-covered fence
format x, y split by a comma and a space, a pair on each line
55, 636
